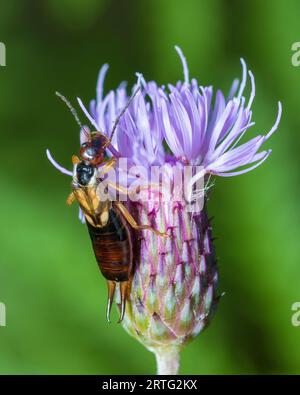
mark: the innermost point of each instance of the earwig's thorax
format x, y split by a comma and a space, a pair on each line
84, 173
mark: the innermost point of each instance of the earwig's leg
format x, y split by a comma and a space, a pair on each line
111, 285
133, 223
123, 291
118, 188
125, 191
75, 160
71, 199
111, 163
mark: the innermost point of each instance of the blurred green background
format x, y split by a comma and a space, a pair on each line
49, 280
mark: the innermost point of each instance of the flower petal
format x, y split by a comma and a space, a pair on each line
58, 166
100, 82
236, 173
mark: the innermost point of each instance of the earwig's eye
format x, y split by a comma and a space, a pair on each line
84, 145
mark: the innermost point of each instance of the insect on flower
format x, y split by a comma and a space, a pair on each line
109, 223
174, 280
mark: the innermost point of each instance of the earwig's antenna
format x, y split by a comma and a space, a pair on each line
120, 116
71, 108
75, 115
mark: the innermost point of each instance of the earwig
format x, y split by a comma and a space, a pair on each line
109, 223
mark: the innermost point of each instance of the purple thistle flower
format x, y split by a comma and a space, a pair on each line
173, 290
185, 117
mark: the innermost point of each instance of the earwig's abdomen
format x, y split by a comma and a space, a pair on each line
113, 247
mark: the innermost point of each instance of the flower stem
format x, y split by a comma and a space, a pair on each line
167, 360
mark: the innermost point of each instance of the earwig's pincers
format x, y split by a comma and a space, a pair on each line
111, 285
123, 292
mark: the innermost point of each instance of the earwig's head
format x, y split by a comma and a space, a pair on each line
93, 149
